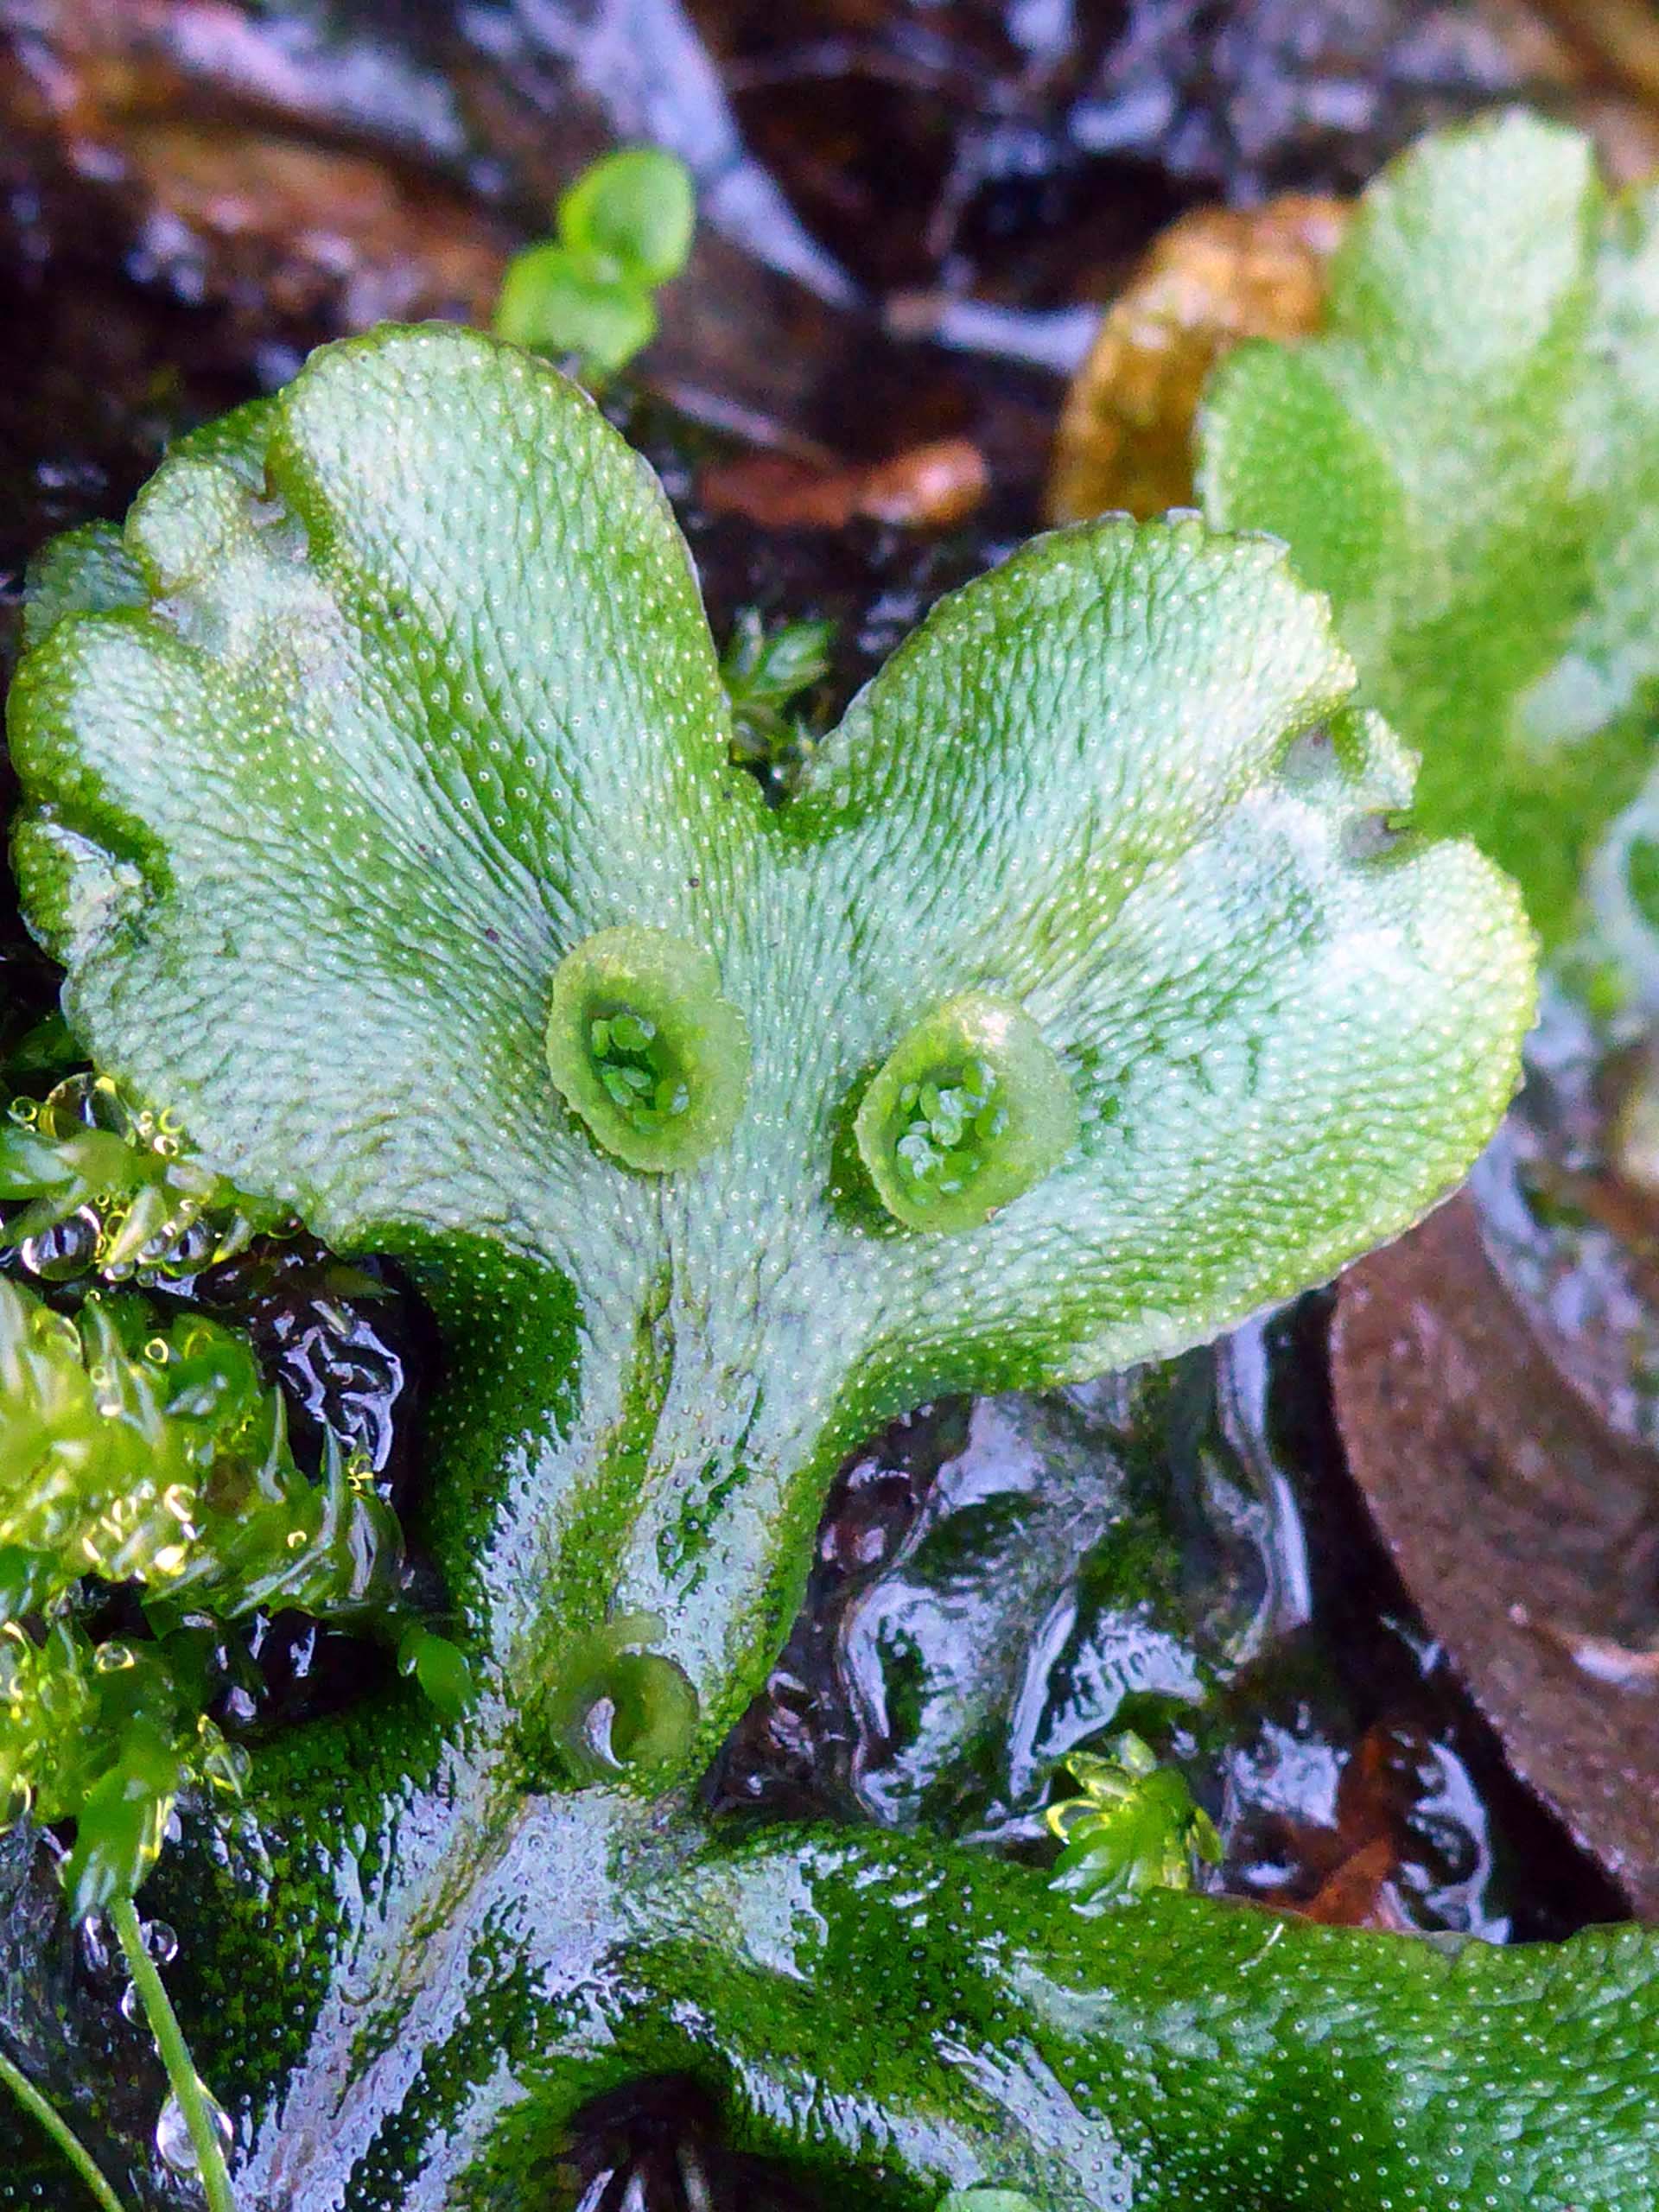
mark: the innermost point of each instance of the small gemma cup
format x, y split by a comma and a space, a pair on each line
644, 1048
970, 1110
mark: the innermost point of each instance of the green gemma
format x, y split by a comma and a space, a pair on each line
968, 1110
644, 1048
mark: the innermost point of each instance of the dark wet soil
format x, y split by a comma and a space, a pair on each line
1179, 1551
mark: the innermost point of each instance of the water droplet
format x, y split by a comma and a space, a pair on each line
160, 1942
65, 1250
227, 1766
173, 2145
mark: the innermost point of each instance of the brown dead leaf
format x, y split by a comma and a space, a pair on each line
306, 229
1217, 275
933, 486
1361, 1892
1526, 1530
1350, 1875
1624, 33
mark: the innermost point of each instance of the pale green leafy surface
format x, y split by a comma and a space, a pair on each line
399, 720
384, 743
396, 690
624, 229
633, 212
1467, 461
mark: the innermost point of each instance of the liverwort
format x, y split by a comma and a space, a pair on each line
1466, 459
660, 1092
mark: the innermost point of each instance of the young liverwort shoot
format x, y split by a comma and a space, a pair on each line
588, 293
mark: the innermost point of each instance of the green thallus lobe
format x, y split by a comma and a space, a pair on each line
1466, 459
